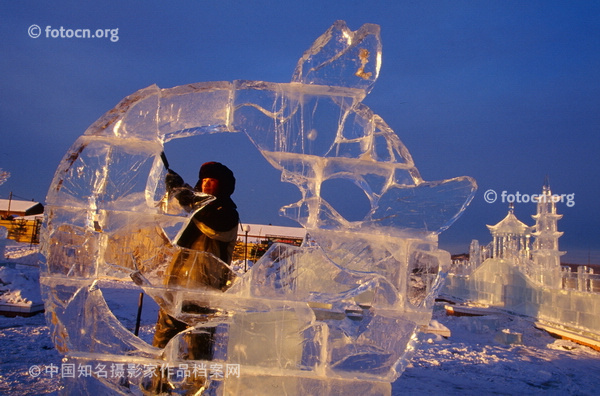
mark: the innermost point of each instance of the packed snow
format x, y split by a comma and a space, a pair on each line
474, 359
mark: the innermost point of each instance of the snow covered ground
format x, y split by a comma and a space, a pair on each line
474, 360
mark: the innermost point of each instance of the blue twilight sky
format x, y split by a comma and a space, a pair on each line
507, 92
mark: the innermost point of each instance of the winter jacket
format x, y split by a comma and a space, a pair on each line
212, 231
211, 234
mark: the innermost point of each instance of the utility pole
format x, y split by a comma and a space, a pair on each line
246, 229
9, 201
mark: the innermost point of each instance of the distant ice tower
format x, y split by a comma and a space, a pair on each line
510, 275
545, 251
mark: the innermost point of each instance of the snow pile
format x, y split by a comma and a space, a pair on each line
19, 275
21, 253
19, 285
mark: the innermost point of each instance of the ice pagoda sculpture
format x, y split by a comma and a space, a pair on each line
520, 272
338, 313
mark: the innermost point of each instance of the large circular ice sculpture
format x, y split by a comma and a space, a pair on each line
340, 312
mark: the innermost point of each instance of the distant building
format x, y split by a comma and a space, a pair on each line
258, 233
17, 208
260, 237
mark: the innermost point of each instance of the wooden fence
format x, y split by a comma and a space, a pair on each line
22, 230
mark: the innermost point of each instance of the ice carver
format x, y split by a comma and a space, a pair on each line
212, 229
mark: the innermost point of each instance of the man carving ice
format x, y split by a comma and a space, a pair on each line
211, 232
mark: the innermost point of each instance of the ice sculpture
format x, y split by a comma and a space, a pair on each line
522, 276
339, 313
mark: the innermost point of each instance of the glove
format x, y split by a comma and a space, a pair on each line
173, 180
